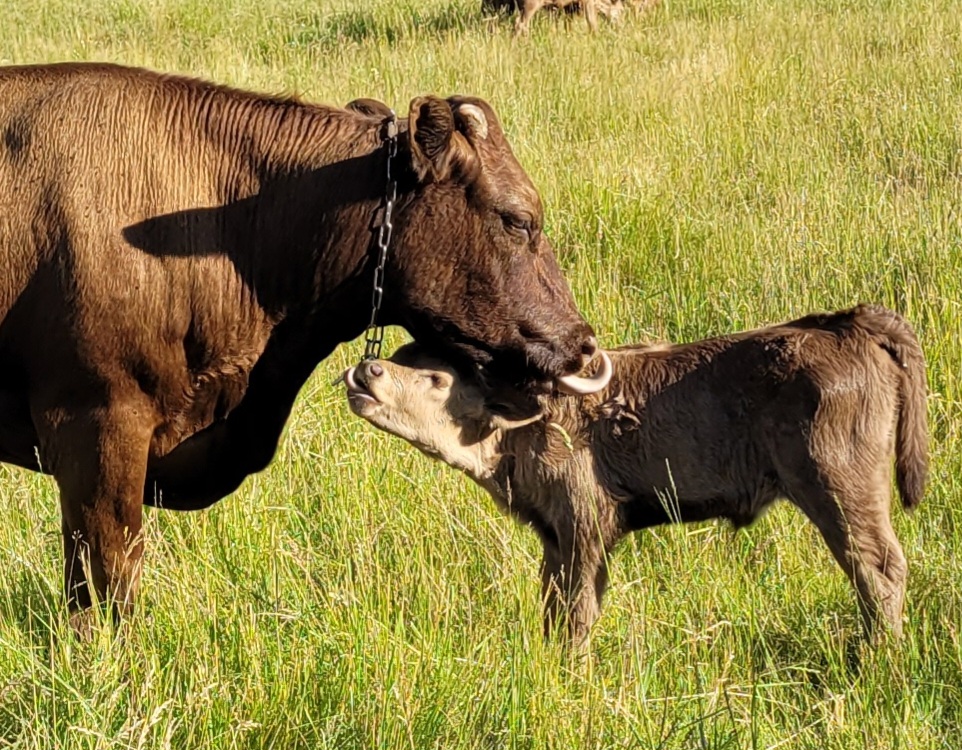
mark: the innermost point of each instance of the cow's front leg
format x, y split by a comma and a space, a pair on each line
98, 456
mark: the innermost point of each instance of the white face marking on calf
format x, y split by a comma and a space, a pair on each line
421, 399
413, 402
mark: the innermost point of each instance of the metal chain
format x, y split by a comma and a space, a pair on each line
375, 332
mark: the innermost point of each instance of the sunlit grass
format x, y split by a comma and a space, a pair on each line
710, 166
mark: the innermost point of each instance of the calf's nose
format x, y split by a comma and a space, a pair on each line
371, 369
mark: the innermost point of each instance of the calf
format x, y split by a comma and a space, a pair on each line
811, 410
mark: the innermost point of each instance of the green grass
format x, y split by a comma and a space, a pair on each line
711, 166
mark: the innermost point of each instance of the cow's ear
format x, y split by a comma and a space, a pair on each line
439, 148
470, 119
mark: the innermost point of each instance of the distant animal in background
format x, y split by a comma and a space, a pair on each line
610, 9
812, 410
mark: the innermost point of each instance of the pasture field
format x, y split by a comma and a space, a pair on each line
709, 166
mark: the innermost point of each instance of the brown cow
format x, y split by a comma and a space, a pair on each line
808, 410
610, 9
177, 256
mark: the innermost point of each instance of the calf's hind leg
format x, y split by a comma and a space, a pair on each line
98, 457
858, 531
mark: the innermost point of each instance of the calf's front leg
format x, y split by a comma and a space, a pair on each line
573, 582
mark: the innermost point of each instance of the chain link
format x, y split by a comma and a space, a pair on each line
375, 332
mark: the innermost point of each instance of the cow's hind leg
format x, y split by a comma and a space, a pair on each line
858, 531
99, 458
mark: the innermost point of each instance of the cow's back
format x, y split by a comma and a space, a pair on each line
85, 151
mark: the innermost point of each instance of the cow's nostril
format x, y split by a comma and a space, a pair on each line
589, 348
376, 370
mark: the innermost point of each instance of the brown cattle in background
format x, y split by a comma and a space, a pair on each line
176, 257
610, 9
811, 411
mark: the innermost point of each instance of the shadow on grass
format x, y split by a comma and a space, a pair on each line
325, 31
817, 649
41, 615
36, 609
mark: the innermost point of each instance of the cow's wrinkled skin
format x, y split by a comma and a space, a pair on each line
176, 257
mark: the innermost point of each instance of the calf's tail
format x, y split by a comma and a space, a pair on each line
893, 333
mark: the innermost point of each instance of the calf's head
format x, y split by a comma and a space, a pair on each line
470, 270
446, 414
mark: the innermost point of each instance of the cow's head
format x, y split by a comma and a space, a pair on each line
445, 413
470, 269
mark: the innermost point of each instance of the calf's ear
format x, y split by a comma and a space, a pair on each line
511, 410
481, 410
440, 149
503, 422
481, 422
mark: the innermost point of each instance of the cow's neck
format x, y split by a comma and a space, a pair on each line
299, 195
281, 137
298, 189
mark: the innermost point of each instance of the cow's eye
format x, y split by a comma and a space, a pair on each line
518, 226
